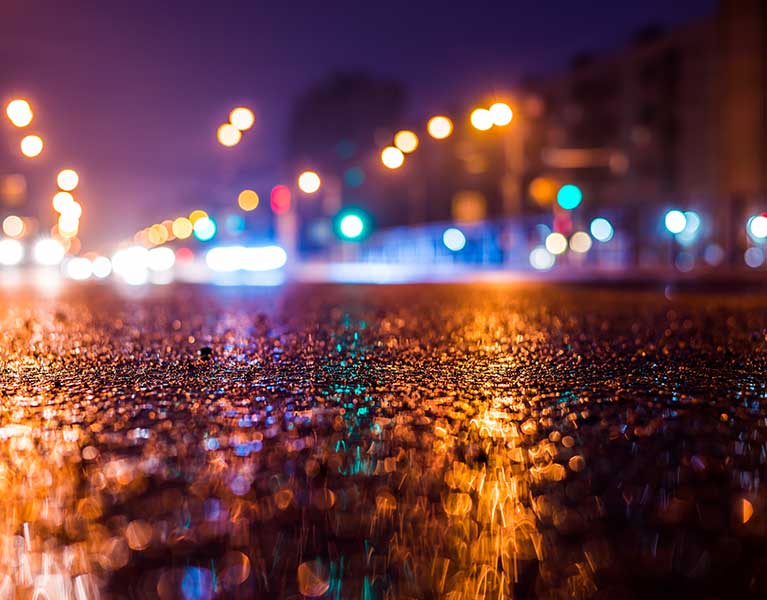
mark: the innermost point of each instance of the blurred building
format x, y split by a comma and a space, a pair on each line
677, 119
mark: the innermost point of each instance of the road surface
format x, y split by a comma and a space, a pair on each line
472, 441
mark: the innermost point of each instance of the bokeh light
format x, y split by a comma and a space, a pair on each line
543, 190
79, 268
61, 201
757, 227
601, 229
351, 225
556, 243
481, 119
309, 182
279, 199
102, 267
68, 225
132, 264
182, 228
454, 239
19, 112
406, 140
11, 252
541, 259
392, 157
67, 179
675, 221
569, 196
228, 135
204, 229
73, 209
13, 226
242, 118
48, 252
195, 215
31, 146
754, 257
247, 200
580, 242
501, 114
161, 259
439, 127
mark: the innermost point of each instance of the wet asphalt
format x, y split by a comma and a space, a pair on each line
434, 441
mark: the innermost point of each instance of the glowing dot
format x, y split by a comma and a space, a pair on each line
569, 196
67, 179
182, 228
161, 259
601, 229
31, 146
73, 209
747, 510
19, 112
481, 119
405, 140
758, 226
580, 242
247, 200
351, 226
79, 268
454, 239
392, 157
102, 267
279, 199
501, 114
68, 226
556, 243
309, 182
204, 229
676, 221
13, 226
195, 215
754, 257
439, 127
228, 135
541, 259
242, 118
48, 252
11, 252
543, 190
61, 200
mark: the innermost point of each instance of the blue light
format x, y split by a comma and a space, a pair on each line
352, 225
569, 196
454, 239
235, 223
204, 229
354, 177
675, 221
601, 230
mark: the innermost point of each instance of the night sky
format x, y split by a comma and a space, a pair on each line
131, 93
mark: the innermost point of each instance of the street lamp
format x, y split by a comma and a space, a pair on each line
19, 112
242, 118
406, 141
309, 182
392, 157
67, 179
31, 146
501, 114
228, 135
439, 127
481, 119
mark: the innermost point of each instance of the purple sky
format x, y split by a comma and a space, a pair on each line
130, 93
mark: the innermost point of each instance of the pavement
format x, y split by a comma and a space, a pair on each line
494, 440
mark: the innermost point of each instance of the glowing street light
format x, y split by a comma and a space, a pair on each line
204, 229
11, 252
31, 146
196, 215
48, 252
406, 141
247, 200
182, 228
61, 201
556, 243
13, 226
601, 229
19, 112
439, 127
501, 114
569, 196
242, 118
67, 179
481, 119
675, 221
228, 135
580, 242
351, 226
309, 182
392, 157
